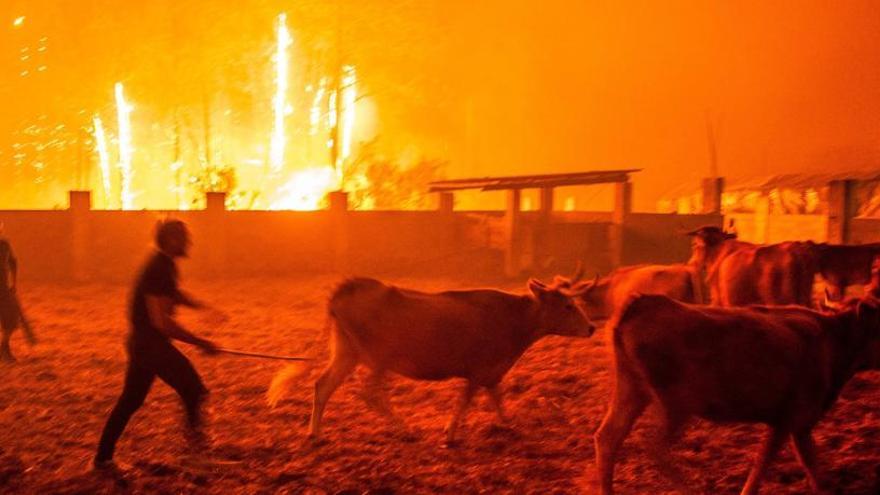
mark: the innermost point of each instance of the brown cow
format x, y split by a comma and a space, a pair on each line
842, 266
783, 366
604, 296
740, 273
477, 335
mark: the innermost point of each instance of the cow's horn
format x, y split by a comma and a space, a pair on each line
828, 302
578, 272
584, 287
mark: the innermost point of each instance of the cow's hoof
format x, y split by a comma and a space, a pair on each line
451, 443
315, 441
406, 435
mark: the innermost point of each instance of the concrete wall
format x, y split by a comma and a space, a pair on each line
41, 242
110, 245
80, 244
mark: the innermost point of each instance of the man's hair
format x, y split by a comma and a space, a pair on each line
167, 229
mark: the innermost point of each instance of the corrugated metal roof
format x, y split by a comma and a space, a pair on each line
533, 181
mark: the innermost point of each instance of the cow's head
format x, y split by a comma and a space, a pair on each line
559, 310
590, 292
705, 240
866, 319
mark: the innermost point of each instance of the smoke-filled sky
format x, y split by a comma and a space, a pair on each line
494, 87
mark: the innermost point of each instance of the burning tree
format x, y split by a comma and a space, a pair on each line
202, 79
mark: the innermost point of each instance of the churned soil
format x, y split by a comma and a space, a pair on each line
55, 399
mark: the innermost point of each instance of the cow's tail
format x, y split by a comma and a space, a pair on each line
283, 380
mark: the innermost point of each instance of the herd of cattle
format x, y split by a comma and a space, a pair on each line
728, 336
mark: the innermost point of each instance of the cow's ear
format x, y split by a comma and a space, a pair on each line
537, 288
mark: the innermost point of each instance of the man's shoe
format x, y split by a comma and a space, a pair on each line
110, 466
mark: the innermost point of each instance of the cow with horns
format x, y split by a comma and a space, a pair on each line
603, 297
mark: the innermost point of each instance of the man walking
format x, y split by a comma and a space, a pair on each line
149, 346
10, 310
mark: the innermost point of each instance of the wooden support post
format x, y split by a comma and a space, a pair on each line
842, 207
713, 187
622, 208
80, 208
546, 207
513, 224
339, 227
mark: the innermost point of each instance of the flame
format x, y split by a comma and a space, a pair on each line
284, 40
349, 95
305, 190
331, 116
123, 110
315, 111
103, 158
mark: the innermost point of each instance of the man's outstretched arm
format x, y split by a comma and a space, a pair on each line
159, 309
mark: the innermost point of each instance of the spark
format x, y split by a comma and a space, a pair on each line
103, 158
349, 95
284, 40
123, 110
18, 22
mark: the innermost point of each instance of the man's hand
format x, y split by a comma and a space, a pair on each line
208, 347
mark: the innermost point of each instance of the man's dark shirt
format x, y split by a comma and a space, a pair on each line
8, 264
158, 278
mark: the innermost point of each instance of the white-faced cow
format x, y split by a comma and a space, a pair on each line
739, 273
477, 335
783, 366
604, 296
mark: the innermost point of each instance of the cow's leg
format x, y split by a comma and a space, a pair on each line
377, 399
670, 430
805, 450
344, 362
497, 399
5, 350
628, 401
464, 402
771, 445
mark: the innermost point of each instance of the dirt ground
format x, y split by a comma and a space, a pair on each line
53, 403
